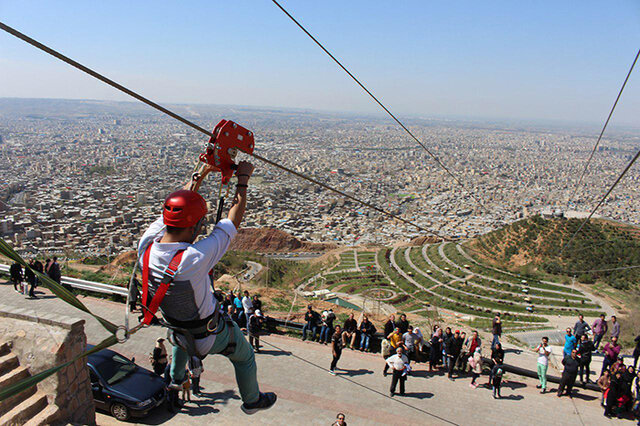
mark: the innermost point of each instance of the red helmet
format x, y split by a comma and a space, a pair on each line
183, 209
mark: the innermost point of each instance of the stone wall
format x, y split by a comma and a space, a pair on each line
42, 341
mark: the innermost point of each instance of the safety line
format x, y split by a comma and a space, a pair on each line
414, 137
586, 166
183, 120
633, 160
355, 382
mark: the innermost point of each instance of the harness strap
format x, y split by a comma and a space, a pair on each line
167, 279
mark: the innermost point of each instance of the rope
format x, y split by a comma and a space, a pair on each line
183, 120
626, 169
586, 166
368, 92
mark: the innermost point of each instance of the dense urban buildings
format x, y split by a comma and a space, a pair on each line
84, 177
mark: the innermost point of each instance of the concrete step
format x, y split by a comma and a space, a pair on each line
8, 362
5, 348
8, 404
13, 376
47, 416
25, 411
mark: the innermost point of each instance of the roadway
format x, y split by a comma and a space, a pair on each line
307, 394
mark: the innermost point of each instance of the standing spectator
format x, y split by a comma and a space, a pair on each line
614, 392
231, 311
40, 268
228, 301
581, 328
47, 265
336, 348
464, 355
615, 327
599, 328
448, 335
254, 327
453, 346
585, 348
256, 302
30, 277
390, 325
195, 368
158, 357
247, 307
544, 351
340, 420
15, 272
497, 358
475, 362
237, 302
410, 341
420, 342
496, 380
496, 329
186, 388
470, 346
570, 372
636, 352
435, 350
349, 333
367, 329
403, 324
570, 343
311, 324
395, 341
611, 353
398, 364
603, 383
55, 273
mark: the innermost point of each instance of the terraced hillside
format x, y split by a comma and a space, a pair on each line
442, 276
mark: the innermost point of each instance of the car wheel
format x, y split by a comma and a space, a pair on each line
120, 412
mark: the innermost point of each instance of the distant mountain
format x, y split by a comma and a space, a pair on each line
535, 245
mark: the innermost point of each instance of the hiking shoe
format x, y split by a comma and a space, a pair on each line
332, 372
265, 401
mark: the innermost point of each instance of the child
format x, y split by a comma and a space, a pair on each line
475, 362
496, 380
195, 370
186, 388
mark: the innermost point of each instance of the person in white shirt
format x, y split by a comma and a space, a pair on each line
398, 364
544, 351
169, 254
247, 305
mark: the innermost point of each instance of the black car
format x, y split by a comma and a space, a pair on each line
122, 387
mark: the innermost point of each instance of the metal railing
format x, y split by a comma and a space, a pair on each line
84, 284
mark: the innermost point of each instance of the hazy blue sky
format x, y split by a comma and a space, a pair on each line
505, 59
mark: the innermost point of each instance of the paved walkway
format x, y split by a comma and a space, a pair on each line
307, 394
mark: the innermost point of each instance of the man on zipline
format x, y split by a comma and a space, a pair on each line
174, 263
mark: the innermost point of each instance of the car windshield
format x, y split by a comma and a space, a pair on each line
115, 369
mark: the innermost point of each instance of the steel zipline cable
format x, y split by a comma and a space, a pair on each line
626, 169
595, 147
183, 120
368, 92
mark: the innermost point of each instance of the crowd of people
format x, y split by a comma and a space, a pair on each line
25, 281
455, 353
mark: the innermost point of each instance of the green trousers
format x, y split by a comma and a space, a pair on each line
243, 359
542, 375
